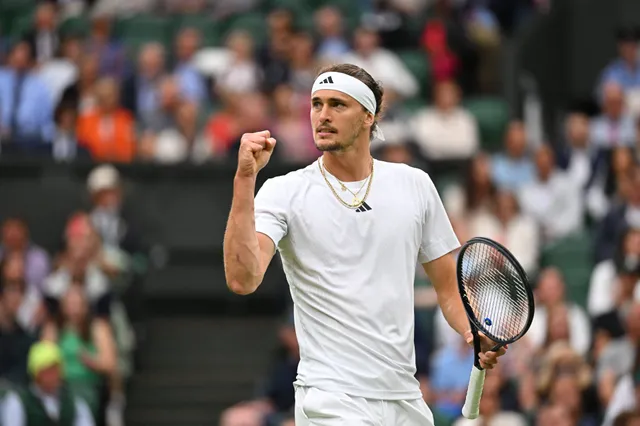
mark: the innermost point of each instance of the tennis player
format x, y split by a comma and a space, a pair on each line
349, 230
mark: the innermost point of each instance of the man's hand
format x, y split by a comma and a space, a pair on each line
488, 358
255, 152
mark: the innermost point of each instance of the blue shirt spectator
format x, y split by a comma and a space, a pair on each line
513, 169
450, 377
625, 70
192, 87
26, 106
614, 127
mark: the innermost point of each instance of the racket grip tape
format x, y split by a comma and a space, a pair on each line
471, 408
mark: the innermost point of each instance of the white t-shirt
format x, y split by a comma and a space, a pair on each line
351, 274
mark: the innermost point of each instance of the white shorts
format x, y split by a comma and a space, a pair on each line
315, 407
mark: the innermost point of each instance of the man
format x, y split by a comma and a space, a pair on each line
15, 339
349, 241
46, 401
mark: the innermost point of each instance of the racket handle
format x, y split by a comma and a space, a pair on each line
471, 408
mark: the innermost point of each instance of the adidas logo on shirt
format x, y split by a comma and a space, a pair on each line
327, 80
363, 208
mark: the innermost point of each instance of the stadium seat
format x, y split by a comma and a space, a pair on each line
418, 64
573, 256
138, 30
253, 23
11, 12
21, 25
75, 26
493, 116
209, 29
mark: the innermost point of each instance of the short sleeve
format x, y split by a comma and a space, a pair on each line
271, 207
438, 237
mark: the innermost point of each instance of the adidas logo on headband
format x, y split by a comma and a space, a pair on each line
326, 80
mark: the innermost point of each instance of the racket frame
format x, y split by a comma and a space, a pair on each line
471, 408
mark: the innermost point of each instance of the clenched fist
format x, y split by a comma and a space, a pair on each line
255, 151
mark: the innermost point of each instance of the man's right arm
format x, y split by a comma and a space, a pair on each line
247, 253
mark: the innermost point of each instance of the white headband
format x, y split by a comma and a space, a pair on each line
350, 86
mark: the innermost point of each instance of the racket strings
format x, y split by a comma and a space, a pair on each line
496, 292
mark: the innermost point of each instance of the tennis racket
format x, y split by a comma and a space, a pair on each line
498, 300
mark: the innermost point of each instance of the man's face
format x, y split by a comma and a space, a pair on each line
12, 297
544, 163
14, 235
628, 50
337, 120
49, 379
516, 140
20, 57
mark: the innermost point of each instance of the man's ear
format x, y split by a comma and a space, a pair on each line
370, 119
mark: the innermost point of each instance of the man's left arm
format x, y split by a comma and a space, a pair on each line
442, 274
438, 242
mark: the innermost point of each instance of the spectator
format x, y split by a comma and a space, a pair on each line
65, 141
79, 263
16, 242
621, 216
556, 318
61, 71
81, 94
192, 86
390, 21
15, 339
622, 396
108, 132
449, 379
446, 64
273, 57
624, 70
139, 91
604, 283
510, 227
475, 193
302, 63
383, 65
88, 349
47, 400
43, 38
239, 72
108, 213
577, 157
607, 184
32, 311
26, 108
180, 143
614, 126
167, 102
101, 43
446, 131
332, 43
552, 199
513, 169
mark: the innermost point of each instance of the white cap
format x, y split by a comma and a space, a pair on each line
103, 177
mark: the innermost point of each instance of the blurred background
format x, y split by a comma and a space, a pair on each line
119, 124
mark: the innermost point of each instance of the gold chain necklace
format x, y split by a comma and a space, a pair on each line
357, 202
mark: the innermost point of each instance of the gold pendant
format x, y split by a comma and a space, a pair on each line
356, 201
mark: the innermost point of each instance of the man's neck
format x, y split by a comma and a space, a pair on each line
349, 166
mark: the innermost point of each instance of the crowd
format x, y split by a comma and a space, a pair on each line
66, 341
75, 85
